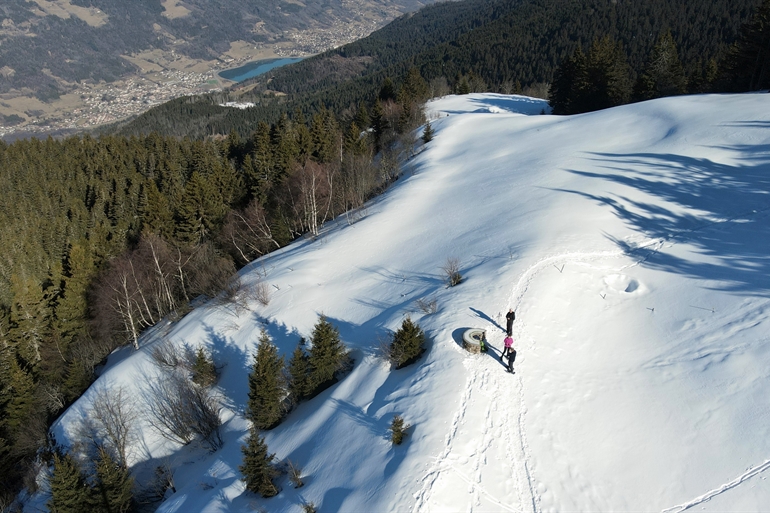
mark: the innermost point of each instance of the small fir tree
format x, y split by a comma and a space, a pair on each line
398, 429
257, 468
327, 355
267, 385
204, 373
70, 492
408, 344
114, 485
298, 371
427, 134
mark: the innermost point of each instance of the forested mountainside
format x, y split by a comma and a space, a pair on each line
499, 46
46, 44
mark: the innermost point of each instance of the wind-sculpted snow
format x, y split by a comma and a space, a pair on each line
633, 245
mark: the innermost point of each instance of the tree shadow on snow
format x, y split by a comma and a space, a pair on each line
731, 234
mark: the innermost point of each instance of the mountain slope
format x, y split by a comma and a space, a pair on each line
632, 244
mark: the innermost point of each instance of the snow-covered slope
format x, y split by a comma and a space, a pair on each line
633, 244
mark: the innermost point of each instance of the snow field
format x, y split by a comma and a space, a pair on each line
632, 244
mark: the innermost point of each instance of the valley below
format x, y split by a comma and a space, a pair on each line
162, 74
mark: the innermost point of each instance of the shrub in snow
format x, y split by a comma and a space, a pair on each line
295, 474
204, 373
179, 410
267, 386
165, 355
309, 507
407, 345
427, 305
398, 430
257, 468
452, 270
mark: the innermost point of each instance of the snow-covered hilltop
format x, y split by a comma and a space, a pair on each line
633, 244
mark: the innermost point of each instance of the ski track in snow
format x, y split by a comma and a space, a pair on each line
718, 491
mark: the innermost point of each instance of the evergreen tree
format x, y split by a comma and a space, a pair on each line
362, 116
201, 210
663, 73
748, 63
387, 91
569, 84
379, 125
157, 215
204, 372
408, 344
71, 306
17, 392
414, 88
608, 76
398, 429
299, 372
355, 140
69, 491
31, 316
267, 386
427, 134
463, 86
261, 175
257, 469
285, 147
114, 485
327, 355
304, 138
599, 80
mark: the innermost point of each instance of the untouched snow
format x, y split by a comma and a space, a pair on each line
634, 245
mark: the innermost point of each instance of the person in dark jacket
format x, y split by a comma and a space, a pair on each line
511, 359
509, 317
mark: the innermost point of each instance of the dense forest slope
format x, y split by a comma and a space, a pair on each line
498, 45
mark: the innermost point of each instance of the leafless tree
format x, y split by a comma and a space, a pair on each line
357, 182
439, 87
179, 410
165, 408
112, 422
248, 233
311, 190
141, 287
537, 90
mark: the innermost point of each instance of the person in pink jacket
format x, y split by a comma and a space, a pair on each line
508, 341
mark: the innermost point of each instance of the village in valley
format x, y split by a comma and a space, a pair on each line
164, 76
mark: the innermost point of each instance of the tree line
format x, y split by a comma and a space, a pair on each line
602, 76
104, 237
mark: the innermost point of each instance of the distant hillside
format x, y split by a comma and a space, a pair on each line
502, 42
47, 44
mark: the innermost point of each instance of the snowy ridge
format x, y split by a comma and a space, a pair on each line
633, 244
